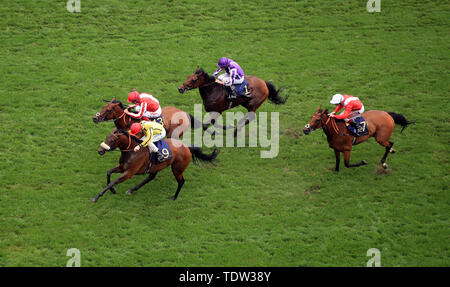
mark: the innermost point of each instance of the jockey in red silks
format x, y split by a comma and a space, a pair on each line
146, 105
353, 107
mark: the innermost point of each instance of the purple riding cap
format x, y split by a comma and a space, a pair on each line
234, 71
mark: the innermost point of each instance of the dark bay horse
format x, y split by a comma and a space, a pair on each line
214, 96
132, 163
176, 121
380, 124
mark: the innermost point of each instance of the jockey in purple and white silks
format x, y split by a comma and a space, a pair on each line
234, 73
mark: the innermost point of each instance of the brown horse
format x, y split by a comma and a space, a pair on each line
132, 163
176, 121
214, 96
380, 125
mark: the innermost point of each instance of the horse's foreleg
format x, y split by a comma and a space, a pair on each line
250, 116
123, 177
388, 150
347, 160
108, 176
147, 180
338, 159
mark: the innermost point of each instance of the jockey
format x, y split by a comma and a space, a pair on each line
353, 107
146, 105
153, 132
234, 73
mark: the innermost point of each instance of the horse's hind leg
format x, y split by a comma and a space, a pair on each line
147, 180
250, 116
108, 176
347, 160
388, 150
180, 180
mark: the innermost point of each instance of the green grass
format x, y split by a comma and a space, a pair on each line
292, 210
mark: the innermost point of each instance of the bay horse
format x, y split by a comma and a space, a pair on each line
176, 121
136, 163
380, 124
214, 96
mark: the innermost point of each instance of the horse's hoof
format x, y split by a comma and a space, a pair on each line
129, 192
392, 150
363, 162
384, 165
94, 200
113, 191
173, 198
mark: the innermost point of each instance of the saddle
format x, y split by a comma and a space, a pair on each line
358, 126
165, 150
239, 91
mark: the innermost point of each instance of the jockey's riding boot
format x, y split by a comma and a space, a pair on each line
233, 94
160, 156
355, 127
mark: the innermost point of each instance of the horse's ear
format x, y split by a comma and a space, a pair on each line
319, 109
196, 69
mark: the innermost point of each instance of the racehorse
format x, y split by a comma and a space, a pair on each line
380, 125
176, 121
132, 163
214, 96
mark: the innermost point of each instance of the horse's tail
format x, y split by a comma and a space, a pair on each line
274, 96
198, 154
195, 124
401, 120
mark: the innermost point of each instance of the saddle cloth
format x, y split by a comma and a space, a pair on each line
164, 148
358, 127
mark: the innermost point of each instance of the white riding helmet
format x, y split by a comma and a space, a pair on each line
337, 99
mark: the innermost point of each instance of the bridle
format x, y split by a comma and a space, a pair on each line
192, 83
333, 124
108, 112
116, 137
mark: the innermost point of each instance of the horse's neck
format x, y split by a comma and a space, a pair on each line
212, 94
330, 131
127, 142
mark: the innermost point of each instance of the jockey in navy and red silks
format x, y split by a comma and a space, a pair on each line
234, 73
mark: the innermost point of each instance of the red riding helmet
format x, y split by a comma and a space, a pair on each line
133, 96
135, 128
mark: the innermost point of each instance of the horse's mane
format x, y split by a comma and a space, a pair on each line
326, 111
114, 101
201, 71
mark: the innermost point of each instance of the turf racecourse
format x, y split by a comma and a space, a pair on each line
292, 210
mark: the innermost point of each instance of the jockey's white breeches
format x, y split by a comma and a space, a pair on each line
226, 78
354, 114
155, 138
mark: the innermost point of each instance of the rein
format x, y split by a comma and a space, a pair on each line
333, 124
125, 150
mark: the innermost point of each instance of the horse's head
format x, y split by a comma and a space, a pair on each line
114, 140
316, 120
195, 80
112, 110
